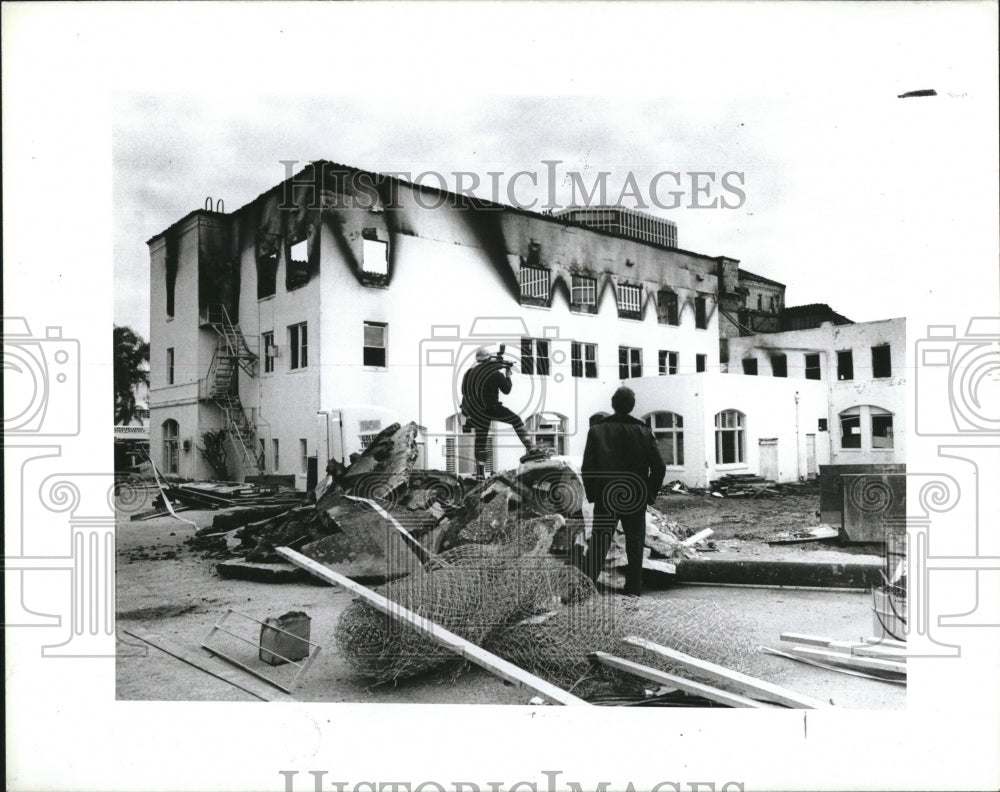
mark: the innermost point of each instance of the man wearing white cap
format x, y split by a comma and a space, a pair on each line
481, 389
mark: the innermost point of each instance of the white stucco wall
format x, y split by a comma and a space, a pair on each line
863, 391
770, 410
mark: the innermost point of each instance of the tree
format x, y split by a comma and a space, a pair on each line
131, 353
213, 449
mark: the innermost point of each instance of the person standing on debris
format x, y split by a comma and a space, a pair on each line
622, 473
481, 389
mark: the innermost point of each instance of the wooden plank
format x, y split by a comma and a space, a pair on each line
746, 683
694, 539
209, 665
837, 658
829, 667
889, 642
880, 652
460, 646
805, 639
687, 685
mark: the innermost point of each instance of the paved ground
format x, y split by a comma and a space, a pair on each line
166, 589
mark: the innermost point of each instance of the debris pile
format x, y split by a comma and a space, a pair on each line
211, 495
473, 590
740, 485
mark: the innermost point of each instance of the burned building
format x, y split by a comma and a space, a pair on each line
341, 300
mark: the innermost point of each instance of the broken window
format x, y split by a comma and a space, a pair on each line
270, 351
170, 365
303, 455
535, 284
779, 365
760, 302
267, 264
729, 437
700, 313
548, 430
298, 345
881, 428
822, 425
297, 263
374, 254
274, 449
668, 429
845, 365
813, 370
668, 362
583, 360
171, 432
535, 356
881, 361
629, 362
850, 428
375, 345
629, 300
170, 243
666, 307
700, 362
750, 366
583, 293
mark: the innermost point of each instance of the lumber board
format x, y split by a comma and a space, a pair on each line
693, 540
746, 683
888, 642
838, 658
828, 667
209, 665
460, 646
679, 682
882, 653
805, 639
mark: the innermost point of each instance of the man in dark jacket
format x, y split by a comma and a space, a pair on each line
622, 473
481, 389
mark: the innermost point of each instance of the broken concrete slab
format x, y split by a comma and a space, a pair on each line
362, 544
550, 486
386, 464
279, 572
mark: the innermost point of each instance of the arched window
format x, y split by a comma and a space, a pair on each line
730, 437
852, 428
549, 430
597, 417
171, 432
668, 429
460, 448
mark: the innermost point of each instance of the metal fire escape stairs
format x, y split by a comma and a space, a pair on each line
232, 353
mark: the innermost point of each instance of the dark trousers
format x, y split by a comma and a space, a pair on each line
605, 522
482, 429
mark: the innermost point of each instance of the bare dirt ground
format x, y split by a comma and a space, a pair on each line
167, 589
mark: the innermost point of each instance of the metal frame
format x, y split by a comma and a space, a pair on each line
303, 666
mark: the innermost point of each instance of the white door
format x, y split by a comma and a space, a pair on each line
769, 458
810, 456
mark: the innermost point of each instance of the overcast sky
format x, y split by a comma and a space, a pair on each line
851, 192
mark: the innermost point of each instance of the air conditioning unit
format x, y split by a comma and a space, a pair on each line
273, 351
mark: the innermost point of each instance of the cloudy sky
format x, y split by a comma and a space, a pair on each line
852, 194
